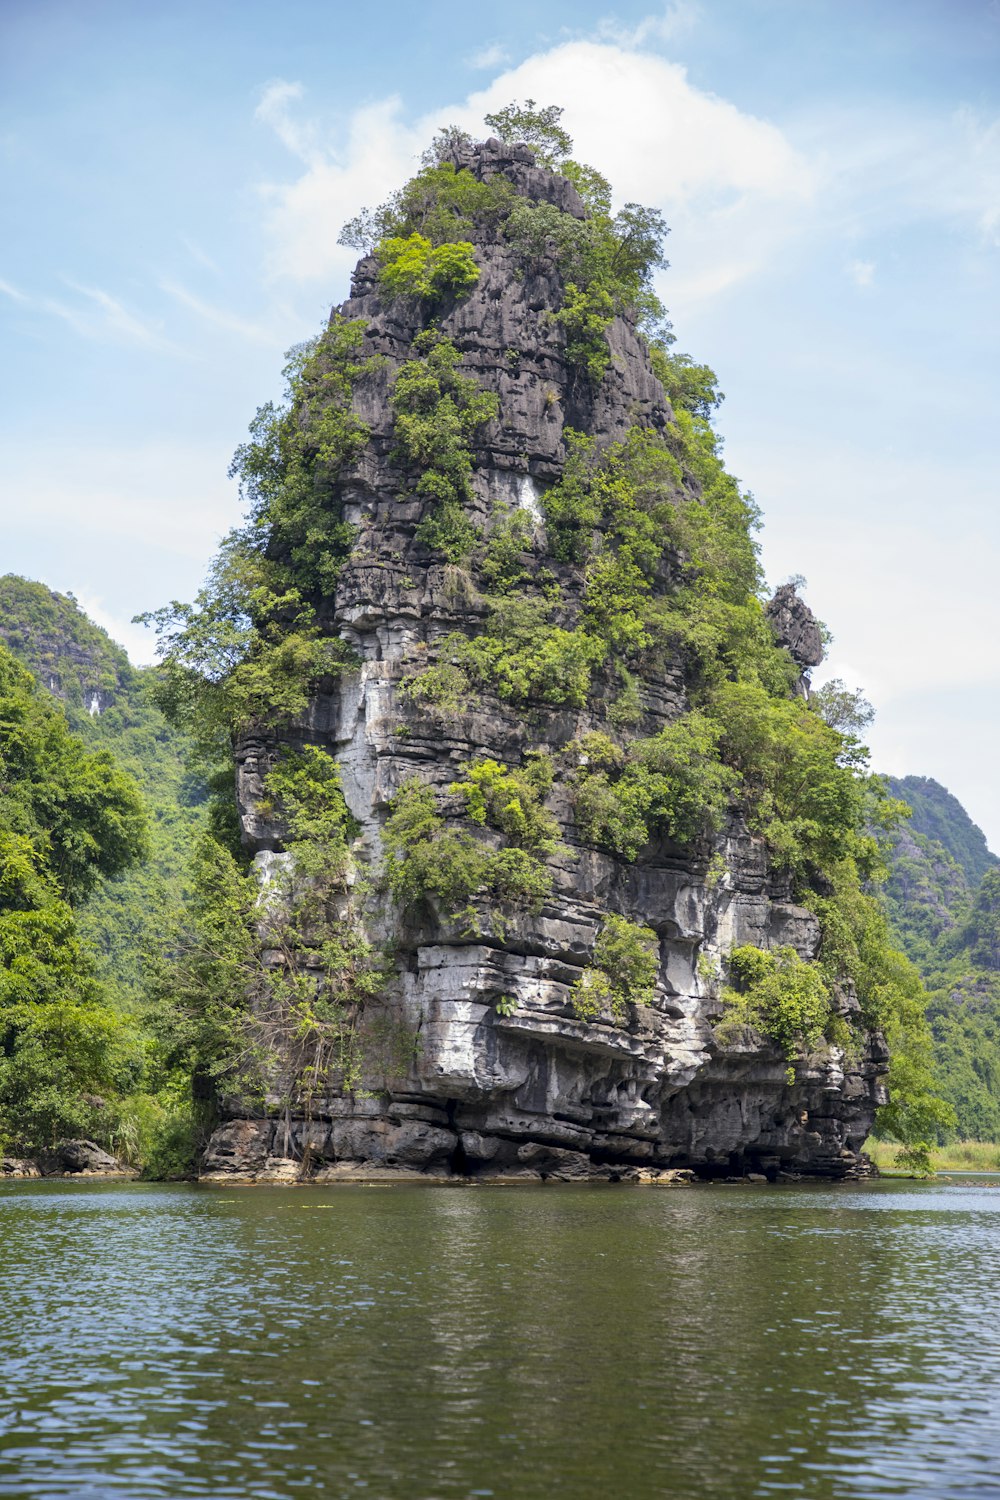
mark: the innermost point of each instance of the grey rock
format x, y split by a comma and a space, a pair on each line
528, 1090
82, 1159
17, 1166
795, 627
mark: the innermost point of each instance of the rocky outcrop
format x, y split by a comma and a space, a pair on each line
12, 1167
67, 1159
504, 1079
795, 628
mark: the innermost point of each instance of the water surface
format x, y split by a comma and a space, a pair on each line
412, 1343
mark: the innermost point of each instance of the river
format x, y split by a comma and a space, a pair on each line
410, 1343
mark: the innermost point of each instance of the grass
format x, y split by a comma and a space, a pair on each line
959, 1156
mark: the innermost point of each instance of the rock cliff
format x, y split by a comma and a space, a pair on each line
507, 1074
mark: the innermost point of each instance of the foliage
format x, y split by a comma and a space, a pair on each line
606, 261
512, 801
778, 994
689, 386
443, 203
535, 126
626, 961
241, 658
672, 783
437, 411
585, 315
413, 267
916, 1159
940, 902
802, 784
79, 814
247, 653
915, 1112
276, 980
843, 708
427, 858
67, 816
521, 656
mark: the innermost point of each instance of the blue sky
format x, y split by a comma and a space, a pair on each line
174, 178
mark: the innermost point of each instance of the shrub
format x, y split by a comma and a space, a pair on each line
437, 411
427, 858
626, 960
672, 783
778, 994
413, 267
512, 801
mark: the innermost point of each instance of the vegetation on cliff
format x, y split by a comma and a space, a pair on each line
642, 574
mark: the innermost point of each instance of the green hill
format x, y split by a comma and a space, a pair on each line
127, 923
106, 701
943, 901
939, 816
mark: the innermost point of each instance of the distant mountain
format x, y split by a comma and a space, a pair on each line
107, 702
943, 902
939, 816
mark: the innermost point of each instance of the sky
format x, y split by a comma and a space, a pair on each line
173, 178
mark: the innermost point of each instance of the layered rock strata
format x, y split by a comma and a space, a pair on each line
506, 1080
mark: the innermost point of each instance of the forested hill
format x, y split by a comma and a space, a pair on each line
106, 701
943, 900
939, 816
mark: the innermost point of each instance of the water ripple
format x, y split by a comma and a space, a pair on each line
423, 1344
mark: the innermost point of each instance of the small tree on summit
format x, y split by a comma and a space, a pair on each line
535, 126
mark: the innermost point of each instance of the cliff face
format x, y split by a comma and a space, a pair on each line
505, 1077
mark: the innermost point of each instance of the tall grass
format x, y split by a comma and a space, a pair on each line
960, 1156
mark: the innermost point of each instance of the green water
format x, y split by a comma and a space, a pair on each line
413, 1343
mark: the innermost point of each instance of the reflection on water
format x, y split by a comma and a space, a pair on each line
413, 1343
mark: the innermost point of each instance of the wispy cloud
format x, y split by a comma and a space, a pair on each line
220, 317
492, 56
299, 137
114, 318
201, 256
677, 19
862, 272
100, 316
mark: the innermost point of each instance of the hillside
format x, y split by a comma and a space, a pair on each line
940, 817
943, 901
106, 701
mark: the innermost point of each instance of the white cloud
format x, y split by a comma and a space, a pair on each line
299, 137
862, 272
12, 292
733, 181
493, 56
305, 216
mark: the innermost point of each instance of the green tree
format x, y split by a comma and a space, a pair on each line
68, 816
